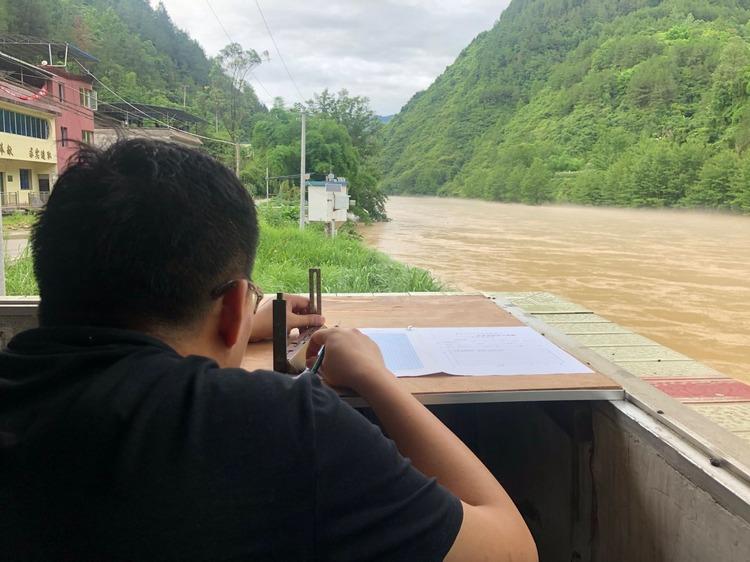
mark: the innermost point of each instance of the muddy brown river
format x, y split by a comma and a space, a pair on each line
681, 278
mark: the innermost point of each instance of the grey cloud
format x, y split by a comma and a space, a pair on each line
386, 50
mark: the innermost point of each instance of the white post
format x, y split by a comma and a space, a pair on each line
302, 166
2, 253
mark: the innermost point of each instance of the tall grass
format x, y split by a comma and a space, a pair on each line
19, 275
285, 254
347, 265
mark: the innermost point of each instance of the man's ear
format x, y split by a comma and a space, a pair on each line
232, 315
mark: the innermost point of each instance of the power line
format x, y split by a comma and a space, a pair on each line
137, 110
231, 40
210, 7
74, 108
278, 51
270, 96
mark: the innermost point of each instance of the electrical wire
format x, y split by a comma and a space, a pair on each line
216, 16
70, 106
255, 77
137, 110
224, 29
278, 51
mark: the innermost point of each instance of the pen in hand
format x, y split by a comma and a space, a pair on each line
318, 360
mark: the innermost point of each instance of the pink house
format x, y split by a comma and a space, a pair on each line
76, 102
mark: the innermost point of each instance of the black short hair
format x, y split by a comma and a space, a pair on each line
141, 233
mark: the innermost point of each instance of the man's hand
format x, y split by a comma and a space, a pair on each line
352, 360
296, 317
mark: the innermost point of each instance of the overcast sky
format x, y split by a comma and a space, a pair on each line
384, 49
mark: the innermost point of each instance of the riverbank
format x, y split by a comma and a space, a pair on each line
285, 254
678, 277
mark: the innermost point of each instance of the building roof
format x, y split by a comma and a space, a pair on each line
139, 112
56, 70
104, 136
36, 49
10, 65
24, 84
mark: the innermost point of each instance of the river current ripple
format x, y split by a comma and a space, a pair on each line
681, 278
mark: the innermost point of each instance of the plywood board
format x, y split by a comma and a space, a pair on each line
436, 311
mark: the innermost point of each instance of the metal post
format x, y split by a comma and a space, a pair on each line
280, 362
237, 159
302, 166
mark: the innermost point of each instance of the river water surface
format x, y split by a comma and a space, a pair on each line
681, 278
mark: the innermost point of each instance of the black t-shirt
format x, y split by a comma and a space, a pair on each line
114, 447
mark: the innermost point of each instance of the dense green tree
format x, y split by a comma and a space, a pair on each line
230, 89
717, 178
740, 187
29, 17
330, 148
602, 102
354, 113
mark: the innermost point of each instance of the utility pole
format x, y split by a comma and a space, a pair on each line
184, 95
237, 159
302, 166
266, 183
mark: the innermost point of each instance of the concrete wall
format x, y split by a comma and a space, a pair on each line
651, 504
16, 315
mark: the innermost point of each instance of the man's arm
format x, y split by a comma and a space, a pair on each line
492, 528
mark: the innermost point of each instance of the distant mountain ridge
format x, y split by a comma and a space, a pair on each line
634, 102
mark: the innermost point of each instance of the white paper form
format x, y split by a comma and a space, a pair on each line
472, 351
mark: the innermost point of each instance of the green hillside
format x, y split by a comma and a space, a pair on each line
635, 102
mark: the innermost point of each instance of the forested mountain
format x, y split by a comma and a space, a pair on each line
626, 102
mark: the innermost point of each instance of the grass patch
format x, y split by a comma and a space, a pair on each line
347, 265
18, 221
284, 256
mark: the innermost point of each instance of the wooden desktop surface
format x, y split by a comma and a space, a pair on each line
435, 311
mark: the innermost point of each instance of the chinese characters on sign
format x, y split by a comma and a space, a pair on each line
36, 154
